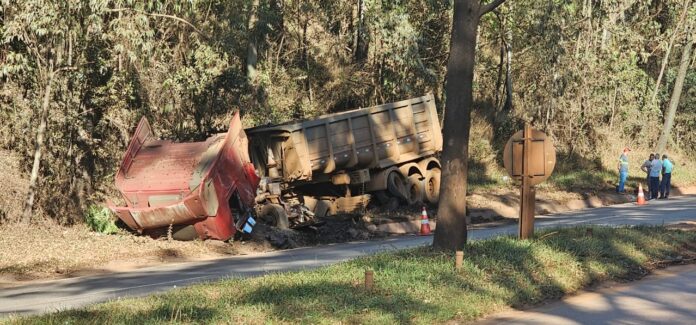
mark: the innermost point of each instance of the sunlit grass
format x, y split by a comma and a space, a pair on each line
411, 286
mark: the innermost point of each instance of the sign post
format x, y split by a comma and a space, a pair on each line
529, 157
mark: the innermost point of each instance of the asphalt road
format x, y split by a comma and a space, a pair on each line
666, 297
70, 293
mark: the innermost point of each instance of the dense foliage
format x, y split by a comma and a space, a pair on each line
584, 71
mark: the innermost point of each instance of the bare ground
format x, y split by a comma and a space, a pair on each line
49, 251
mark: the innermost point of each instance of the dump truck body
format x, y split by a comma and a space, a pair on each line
206, 187
296, 172
339, 159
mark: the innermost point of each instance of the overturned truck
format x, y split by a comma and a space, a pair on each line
289, 175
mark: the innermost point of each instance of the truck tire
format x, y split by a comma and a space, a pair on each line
432, 186
382, 197
274, 215
396, 185
415, 190
185, 234
322, 208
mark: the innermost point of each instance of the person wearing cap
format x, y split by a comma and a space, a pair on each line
623, 170
646, 169
655, 171
667, 167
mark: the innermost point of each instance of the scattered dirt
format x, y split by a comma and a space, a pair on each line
684, 190
685, 226
336, 229
505, 204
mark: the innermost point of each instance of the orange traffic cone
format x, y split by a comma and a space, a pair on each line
425, 224
641, 196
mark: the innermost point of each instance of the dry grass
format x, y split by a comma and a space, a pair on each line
50, 251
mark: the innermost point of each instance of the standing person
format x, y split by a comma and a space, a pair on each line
655, 171
623, 170
667, 167
646, 168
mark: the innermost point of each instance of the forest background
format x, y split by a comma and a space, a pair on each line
75, 77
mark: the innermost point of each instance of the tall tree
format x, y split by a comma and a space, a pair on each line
676, 92
451, 232
41, 33
665, 60
252, 50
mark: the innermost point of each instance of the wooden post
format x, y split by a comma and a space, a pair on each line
528, 194
458, 259
369, 279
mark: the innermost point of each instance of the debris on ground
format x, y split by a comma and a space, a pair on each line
336, 229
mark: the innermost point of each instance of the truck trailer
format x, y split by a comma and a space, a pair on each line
338, 163
287, 175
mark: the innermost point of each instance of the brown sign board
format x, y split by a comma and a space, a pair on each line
542, 156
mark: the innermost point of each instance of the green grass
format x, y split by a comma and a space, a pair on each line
417, 286
573, 180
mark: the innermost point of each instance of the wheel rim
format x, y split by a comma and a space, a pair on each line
431, 185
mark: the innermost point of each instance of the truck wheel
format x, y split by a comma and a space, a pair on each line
382, 197
415, 190
432, 186
185, 234
396, 185
322, 209
274, 215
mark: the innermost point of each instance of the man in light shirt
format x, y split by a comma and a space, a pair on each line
646, 168
667, 167
655, 171
623, 170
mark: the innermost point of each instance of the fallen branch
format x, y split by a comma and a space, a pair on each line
179, 19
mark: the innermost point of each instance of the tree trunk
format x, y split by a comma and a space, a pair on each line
669, 50
676, 92
252, 50
40, 135
361, 43
451, 224
508, 72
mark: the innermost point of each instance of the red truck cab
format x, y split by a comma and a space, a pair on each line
206, 189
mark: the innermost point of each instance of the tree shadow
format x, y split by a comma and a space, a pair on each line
158, 313
337, 302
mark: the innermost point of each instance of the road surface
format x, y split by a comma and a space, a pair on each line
666, 297
76, 292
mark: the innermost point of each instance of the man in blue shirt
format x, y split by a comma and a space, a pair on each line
623, 170
667, 167
655, 170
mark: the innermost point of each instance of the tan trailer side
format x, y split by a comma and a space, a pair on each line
370, 138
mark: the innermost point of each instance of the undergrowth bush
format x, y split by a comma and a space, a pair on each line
101, 220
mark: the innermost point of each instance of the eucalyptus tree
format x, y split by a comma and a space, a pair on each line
452, 229
678, 86
45, 41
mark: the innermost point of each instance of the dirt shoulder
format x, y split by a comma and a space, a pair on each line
44, 252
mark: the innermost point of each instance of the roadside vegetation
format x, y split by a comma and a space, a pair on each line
418, 286
88, 72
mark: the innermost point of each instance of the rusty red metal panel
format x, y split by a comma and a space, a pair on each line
169, 183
